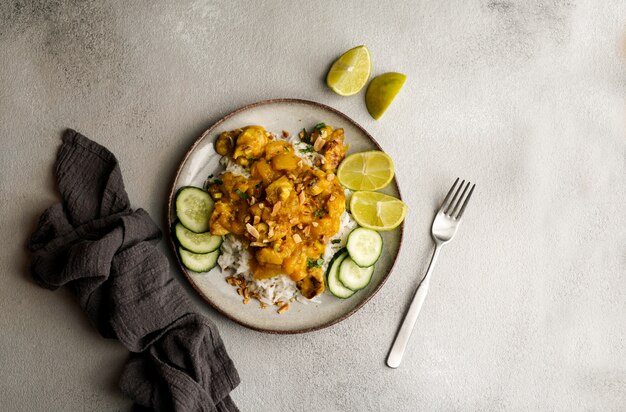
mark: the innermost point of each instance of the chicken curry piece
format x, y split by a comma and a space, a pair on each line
286, 211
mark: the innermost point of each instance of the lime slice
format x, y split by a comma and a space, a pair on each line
350, 72
377, 211
381, 92
371, 170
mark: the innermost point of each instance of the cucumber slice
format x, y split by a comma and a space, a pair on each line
364, 246
198, 262
334, 285
197, 242
354, 277
193, 208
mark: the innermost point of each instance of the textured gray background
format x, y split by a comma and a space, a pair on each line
527, 309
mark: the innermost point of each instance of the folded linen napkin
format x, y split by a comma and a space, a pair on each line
105, 253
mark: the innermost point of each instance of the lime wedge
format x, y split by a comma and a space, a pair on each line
381, 92
377, 211
350, 72
370, 170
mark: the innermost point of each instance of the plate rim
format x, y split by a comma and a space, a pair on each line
170, 221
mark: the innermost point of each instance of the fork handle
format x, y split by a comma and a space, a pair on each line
402, 338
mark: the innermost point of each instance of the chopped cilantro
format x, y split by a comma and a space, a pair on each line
336, 241
320, 126
319, 213
314, 263
242, 195
307, 149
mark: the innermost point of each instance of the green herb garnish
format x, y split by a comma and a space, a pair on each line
320, 126
307, 149
314, 263
242, 195
319, 213
336, 241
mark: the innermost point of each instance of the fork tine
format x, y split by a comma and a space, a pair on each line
460, 201
445, 201
454, 200
466, 202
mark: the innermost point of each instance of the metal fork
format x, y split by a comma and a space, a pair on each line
444, 228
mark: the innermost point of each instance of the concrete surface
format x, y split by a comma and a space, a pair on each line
528, 304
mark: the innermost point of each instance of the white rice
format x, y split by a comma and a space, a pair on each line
230, 166
346, 225
304, 152
235, 258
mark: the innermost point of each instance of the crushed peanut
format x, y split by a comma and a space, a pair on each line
319, 143
252, 230
297, 238
276, 208
283, 308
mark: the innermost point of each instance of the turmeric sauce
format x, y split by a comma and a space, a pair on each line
286, 211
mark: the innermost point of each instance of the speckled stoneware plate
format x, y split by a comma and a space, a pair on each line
201, 160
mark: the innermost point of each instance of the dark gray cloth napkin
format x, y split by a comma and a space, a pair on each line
105, 253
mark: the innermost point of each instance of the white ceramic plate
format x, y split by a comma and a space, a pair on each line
201, 160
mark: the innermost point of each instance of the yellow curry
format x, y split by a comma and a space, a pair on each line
286, 211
